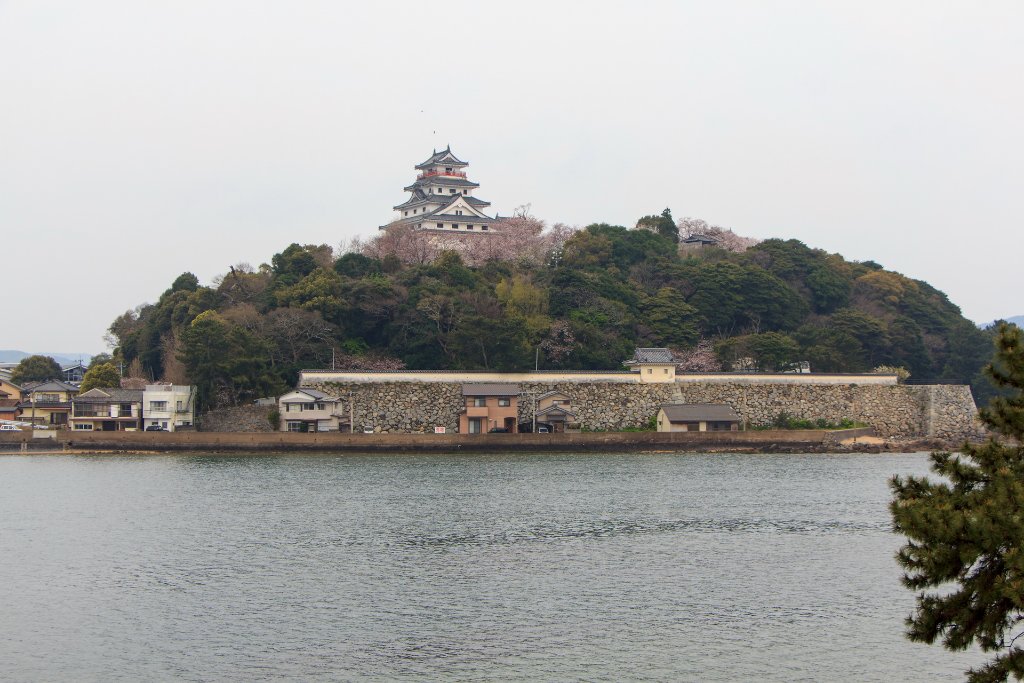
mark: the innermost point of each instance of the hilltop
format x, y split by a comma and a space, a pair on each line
557, 298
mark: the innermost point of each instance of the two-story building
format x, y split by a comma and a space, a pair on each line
654, 365
107, 410
47, 403
554, 412
168, 407
310, 410
489, 407
10, 397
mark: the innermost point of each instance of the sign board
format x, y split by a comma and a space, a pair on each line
439, 430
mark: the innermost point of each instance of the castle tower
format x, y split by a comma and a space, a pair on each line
441, 199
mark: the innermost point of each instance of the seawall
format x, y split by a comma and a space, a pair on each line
944, 412
790, 440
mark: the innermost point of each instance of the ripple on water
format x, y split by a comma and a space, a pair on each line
561, 567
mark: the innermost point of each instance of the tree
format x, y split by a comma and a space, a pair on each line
99, 359
968, 534
104, 375
36, 369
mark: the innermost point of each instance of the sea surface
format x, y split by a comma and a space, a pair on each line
682, 567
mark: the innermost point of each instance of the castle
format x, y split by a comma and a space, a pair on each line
441, 199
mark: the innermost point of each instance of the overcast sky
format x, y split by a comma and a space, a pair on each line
139, 140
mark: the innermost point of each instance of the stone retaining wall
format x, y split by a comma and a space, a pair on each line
896, 411
250, 418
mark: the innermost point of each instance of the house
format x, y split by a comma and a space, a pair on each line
653, 364
107, 410
9, 409
489, 407
9, 390
554, 411
169, 406
74, 373
309, 410
697, 242
698, 417
47, 403
441, 199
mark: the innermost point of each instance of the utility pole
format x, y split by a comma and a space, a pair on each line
536, 360
351, 410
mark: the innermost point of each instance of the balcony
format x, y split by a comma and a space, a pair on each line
476, 411
430, 174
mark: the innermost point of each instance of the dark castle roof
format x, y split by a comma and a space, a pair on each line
441, 180
444, 156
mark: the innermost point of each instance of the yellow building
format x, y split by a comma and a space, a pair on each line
47, 403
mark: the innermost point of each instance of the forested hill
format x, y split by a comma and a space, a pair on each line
581, 300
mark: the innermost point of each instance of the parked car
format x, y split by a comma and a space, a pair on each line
541, 429
155, 428
40, 426
368, 429
9, 428
499, 430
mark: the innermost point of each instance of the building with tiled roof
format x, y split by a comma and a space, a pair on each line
441, 199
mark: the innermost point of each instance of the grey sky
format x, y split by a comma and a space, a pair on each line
139, 140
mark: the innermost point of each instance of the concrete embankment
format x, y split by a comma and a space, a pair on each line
766, 441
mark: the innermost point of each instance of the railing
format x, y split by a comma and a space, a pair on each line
91, 413
428, 174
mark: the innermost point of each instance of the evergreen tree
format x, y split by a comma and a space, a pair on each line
36, 369
103, 376
969, 533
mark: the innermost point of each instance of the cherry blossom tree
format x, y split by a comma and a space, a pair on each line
701, 358
727, 239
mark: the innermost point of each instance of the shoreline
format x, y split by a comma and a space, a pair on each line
638, 443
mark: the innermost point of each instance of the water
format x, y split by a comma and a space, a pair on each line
503, 567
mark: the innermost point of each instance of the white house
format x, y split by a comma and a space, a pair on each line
309, 410
168, 406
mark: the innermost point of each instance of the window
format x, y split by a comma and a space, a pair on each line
469, 227
474, 425
294, 426
649, 371
665, 371
448, 168
458, 212
504, 402
440, 225
83, 426
455, 226
480, 402
405, 213
321, 406
180, 406
160, 405
465, 192
483, 227
452, 190
164, 425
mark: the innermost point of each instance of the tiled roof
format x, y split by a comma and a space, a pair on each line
697, 238
110, 395
700, 412
438, 156
453, 218
549, 394
51, 386
490, 389
312, 393
441, 180
652, 355
555, 409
